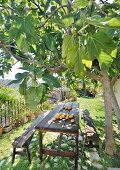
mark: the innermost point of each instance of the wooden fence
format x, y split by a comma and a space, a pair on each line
13, 112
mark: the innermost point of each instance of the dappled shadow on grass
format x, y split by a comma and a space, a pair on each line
110, 161
115, 161
49, 162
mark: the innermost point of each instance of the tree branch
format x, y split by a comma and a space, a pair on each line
58, 69
93, 76
42, 25
12, 54
82, 29
102, 12
37, 5
102, 1
74, 5
30, 60
7, 48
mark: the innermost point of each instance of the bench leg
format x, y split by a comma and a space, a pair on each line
13, 156
28, 154
40, 145
76, 151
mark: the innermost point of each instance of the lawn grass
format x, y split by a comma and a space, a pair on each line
96, 108
6, 140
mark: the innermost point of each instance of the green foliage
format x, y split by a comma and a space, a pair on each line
35, 92
43, 35
114, 22
23, 31
102, 47
104, 22
5, 64
73, 54
67, 41
23, 87
73, 94
7, 94
67, 20
19, 77
35, 96
81, 4
99, 46
51, 80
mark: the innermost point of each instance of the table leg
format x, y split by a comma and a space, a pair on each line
40, 145
76, 151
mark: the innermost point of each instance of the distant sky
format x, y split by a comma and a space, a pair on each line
14, 70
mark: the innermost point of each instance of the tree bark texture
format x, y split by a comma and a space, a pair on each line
109, 141
115, 107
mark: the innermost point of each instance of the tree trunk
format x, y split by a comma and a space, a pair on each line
109, 141
115, 107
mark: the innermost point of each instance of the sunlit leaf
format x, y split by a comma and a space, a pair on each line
22, 43
68, 21
81, 3
87, 63
73, 54
64, 2
102, 47
67, 42
33, 96
104, 22
23, 87
114, 22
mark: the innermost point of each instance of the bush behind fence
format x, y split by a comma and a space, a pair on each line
14, 112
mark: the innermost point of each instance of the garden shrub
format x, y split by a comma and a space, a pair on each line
8, 94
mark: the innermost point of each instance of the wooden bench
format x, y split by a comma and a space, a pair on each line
24, 140
91, 135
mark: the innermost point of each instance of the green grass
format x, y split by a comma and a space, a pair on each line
6, 140
96, 108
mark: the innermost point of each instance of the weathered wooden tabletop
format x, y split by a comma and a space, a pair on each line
47, 123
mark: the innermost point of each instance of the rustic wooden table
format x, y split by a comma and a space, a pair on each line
47, 124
